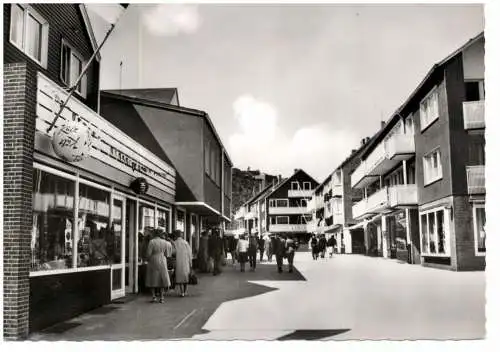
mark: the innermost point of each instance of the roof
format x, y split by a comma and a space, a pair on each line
287, 179
163, 95
90, 31
398, 114
142, 100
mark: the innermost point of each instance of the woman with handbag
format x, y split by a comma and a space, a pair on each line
242, 251
157, 273
183, 262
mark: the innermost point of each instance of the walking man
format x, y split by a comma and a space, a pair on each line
332, 242
290, 247
215, 250
280, 251
314, 247
261, 247
252, 252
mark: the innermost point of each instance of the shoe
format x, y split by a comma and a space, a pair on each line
153, 300
162, 300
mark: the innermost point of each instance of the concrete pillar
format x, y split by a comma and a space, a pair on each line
385, 238
367, 238
379, 238
347, 241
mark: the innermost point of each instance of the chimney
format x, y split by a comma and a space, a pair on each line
382, 124
279, 178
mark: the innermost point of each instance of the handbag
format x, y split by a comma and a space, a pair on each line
193, 279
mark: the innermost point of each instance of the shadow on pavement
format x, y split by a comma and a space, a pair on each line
135, 318
310, 335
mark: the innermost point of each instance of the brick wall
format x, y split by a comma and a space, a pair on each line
19, 131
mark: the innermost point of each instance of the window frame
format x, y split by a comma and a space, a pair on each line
428, 96
481, 88
425, 161
44, 35
282, 216
304, 185
476, 206
76, 53
446, 231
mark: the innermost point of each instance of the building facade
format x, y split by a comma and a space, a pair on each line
423, 177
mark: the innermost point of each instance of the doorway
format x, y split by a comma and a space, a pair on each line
130, 235
118, 265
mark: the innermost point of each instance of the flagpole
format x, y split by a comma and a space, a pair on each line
84, 71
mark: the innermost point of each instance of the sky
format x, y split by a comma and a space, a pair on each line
286, 86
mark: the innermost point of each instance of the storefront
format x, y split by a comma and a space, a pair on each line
94, 207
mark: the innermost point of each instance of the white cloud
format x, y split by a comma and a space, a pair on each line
172, 19
108, 12
261, 144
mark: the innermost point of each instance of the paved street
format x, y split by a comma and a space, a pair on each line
347, 297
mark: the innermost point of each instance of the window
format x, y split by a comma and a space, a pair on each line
409, 127
307, 186
429, 109
474, 90
180, 223
53, 221
29, 32
212, 163
278, 202
207, 158
434, 232
96, 238
72, 64
432, 167
282, 220
163, 220
479, 216
295, 186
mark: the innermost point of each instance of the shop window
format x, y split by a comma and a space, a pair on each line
432, 167
29, 32
163, 220
72, 64
180, 221
53, 220
146, 227
429, 109
433, 233
479, 216
96, 237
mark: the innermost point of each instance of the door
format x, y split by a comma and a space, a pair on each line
118, 266
131, 225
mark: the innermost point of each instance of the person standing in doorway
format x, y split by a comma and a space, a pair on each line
242, 252
252, 252
157, 272
183, 262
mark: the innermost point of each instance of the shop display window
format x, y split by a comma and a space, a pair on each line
163, 220
146, 227
52, 235
479, 228
96, 239
433, 232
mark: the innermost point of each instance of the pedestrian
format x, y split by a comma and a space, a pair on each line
215, 250
183, 262
261, 247
252, 252
203, 252
322, 246
157, 272
268, 247
279, 251
332, 242
242, 251
290, 247
314, 247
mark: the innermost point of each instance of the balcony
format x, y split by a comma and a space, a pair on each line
383, 158
473, 114
287, 210
400, 147
337, 190
385, 200
298, 193
475, 179
288, 228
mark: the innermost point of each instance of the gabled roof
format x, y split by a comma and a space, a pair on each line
90, 31
289, 178
163, 95
399, 113
151, 101
258, 195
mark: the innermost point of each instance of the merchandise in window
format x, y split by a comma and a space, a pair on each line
433, 233
29, 32
52, 236
479, 228
163, 220
96, 238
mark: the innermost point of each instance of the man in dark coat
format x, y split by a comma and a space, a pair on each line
332, 242
280, 251
215, 249
261, 242
322, 245
314, 247
252, 252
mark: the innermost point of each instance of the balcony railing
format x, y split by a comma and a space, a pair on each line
475, 179
298, 193
288, 228
386, 198
287, 210
400, 144
473, 114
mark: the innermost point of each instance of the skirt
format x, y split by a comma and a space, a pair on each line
242, 257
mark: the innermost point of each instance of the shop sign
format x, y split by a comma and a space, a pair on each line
106, 143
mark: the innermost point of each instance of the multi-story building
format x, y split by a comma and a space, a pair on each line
331, 206
423, 176
286, 205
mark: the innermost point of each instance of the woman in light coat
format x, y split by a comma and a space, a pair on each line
183, 262
157, 273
